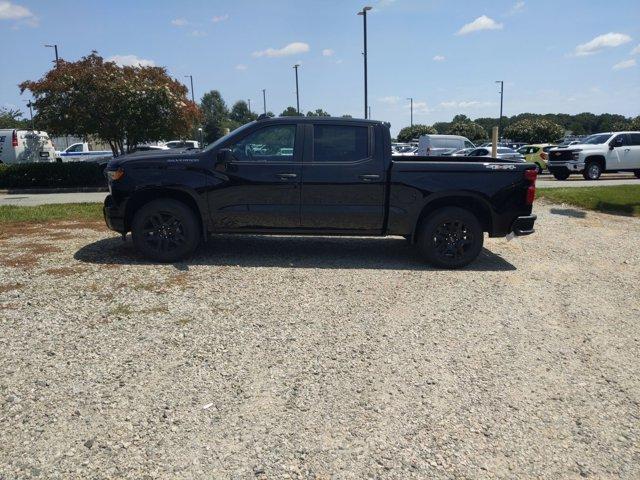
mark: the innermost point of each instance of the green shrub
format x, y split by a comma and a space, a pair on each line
408, 134
52, 175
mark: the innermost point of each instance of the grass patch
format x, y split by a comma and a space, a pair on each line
44, 213
619, 199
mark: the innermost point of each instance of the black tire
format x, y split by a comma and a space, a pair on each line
450, 237
637, 173
592, 171
165, 230
561, 175
539, 169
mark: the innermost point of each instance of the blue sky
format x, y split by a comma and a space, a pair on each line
554, 56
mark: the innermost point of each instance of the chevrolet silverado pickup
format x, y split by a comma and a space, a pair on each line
316, 176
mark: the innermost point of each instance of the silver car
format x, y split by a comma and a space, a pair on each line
502, 153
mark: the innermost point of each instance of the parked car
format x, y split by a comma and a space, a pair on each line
77, 152
502, 153
25, 146
538, 154
146, 148
339, 179
403, 149
183, 144
463, 152
599, 153
435, 145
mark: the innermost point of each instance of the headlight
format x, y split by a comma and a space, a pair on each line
114, 175
575, 154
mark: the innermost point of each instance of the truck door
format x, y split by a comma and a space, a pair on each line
634, 150
260, 188
342, 178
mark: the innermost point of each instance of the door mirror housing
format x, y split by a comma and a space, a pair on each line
616, 142
223, 158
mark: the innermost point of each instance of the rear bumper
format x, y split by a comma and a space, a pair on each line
113, 216
524, 225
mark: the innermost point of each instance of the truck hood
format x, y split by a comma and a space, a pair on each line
581, 146
175, 155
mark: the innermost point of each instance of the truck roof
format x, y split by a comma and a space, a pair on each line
303, 119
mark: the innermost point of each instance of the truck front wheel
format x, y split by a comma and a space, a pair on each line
561, 175
165, 230
450, 237
592, 171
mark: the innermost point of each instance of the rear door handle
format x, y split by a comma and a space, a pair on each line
286, 176
369, 178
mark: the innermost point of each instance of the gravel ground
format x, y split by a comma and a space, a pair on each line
321, 358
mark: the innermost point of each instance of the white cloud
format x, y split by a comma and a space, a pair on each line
625, 64
241, 67
516, 8
439, 58
131, 61
420, 108
636, 51
390, 100
291, 49
179, 22
327, 52
465, 104
220, 18
198, 33
12, 11
608, 40
481, 23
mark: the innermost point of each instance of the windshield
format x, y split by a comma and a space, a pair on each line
222, 139
597, 139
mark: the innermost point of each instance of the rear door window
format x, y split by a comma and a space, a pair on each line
634, 139
340, 143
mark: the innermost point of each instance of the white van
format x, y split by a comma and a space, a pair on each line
25, 146
435, 145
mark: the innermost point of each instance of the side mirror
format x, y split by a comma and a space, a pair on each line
223, 158
616, 142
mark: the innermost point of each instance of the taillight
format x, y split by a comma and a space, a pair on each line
14, 139
531, 176
544, 156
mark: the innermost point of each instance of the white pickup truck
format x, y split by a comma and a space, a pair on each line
79, 152
596, 154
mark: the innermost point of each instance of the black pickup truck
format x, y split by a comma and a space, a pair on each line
316, 176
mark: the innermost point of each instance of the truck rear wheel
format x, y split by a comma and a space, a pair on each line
165, 230
637, 173
451, 237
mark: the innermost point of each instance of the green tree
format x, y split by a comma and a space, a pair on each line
441, 127
534, 131
216, 116
469, 129
240, 113
318, 113
290, 112
408, 134
123, 106
460, 118
10, 118
635, 123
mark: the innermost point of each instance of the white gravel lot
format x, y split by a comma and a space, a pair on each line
293, 357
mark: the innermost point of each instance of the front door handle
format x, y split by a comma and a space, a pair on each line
369, 178
286, 176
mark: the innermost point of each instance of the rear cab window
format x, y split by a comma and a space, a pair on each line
340, 143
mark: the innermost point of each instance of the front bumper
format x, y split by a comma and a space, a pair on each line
524, 225
561, 167
113, 216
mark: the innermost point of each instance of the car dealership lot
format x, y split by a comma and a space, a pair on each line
268, 357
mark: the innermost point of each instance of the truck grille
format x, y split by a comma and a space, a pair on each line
560, 155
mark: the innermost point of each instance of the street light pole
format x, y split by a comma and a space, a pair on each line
297, 91
55, 47
193, 98
264, 100
363, 12
249, 103
411, 99
501, 98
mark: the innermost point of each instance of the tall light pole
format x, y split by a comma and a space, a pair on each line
55, 47
501, 97
363, 12
264, 100
411, 100
193, 97
249, 103
30, 105
295, 67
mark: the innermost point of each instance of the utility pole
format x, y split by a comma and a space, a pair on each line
501, 98
55, 47
363, 12
264, 100
193, 98
249, 103
297, 91
411, 99
30, 105
369, 111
